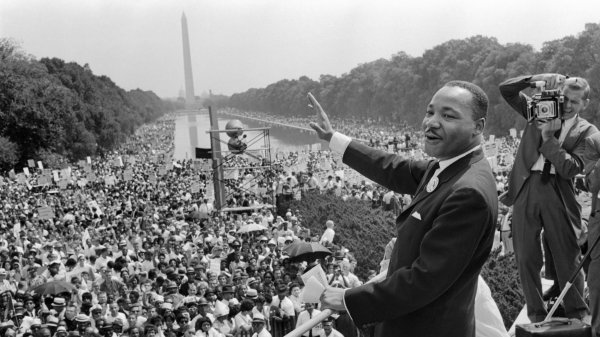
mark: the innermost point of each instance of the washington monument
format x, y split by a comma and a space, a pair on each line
187, 64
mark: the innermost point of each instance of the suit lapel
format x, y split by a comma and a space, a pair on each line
572, 135
447, 174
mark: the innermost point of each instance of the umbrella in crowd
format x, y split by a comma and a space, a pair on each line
251, 227
306, 251
53, 288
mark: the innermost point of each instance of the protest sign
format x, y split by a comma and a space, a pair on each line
45, 213
63, 183
215, 266
127, 175
43, 180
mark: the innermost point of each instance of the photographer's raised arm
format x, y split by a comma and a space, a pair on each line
511, 89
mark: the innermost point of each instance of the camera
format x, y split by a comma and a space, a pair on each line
545, 105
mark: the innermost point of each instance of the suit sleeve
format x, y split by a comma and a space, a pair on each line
389, 170
591, 162
447, 253
511, 92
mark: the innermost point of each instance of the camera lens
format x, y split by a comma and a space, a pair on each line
544, 109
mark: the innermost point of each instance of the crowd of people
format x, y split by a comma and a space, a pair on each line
135, 247
129, 243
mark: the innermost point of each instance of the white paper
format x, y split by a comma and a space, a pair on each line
311, 293
316, 272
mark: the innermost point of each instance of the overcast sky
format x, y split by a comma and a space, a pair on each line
242, 44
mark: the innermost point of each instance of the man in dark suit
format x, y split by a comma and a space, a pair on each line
541, 191
592, 172
444, 235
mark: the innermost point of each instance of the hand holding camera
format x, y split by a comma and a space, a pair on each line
548, 127
550, 81
547, 103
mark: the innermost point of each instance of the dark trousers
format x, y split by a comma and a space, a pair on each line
537, 207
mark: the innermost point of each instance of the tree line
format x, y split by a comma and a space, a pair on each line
399, 88
52, 110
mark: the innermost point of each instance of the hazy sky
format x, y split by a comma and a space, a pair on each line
242, 44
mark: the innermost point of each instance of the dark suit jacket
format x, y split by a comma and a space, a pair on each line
566, 158
432, 277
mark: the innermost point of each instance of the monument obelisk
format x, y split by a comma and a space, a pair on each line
190, 98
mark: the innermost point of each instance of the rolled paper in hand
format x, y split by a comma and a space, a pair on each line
310, 323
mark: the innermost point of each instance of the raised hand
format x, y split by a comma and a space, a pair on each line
322, 126
553, 81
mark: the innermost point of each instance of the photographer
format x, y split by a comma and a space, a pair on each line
540, 185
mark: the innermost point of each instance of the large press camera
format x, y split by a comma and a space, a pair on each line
545, 104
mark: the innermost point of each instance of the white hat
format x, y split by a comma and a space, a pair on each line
258, 318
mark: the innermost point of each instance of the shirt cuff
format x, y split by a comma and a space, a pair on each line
339, 142
345, 307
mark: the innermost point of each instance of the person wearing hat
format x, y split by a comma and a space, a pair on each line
30, 310
52, 323
105, 330
117, 326
251, 294
202, 312
189, 280
172, 294
223, 323
59, 305
282, 310
61, 331
305, 315
83, 322
258, 326
55, 272
96, 314
227, 293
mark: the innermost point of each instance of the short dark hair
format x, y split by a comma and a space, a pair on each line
480, 101
246, 305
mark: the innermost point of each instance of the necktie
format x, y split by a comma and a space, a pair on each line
547, 163
310, 331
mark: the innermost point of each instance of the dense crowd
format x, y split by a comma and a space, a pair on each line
129, 244
136, 236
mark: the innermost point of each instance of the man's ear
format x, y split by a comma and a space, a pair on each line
479, 126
